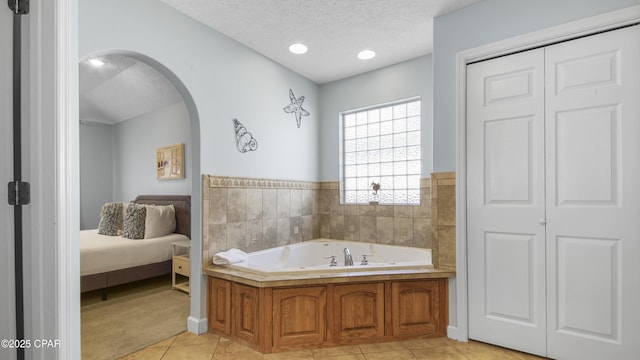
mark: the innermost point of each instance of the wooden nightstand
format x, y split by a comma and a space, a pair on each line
181, 264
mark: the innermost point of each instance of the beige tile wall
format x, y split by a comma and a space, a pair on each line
257, 214
443, 200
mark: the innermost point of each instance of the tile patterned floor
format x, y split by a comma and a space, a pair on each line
188, 346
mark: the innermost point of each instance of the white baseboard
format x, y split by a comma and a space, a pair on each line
197, 326
452, 332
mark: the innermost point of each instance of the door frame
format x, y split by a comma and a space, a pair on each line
59, 19
563, 32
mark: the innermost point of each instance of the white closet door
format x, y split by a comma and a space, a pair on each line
505, 199
593, 196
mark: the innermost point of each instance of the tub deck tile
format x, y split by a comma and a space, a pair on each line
271, 280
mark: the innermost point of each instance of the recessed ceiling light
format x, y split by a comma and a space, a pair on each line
366, 54
298, 48
96, 62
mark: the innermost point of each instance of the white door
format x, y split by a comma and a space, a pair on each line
554, 188
505, 200
593, 196
7, 295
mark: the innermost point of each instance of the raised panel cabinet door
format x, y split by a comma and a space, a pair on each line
505, 201
219, 310
245, 310
299, 316
417, 308
593, 196
358, 311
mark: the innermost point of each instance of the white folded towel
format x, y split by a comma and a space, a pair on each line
230, 256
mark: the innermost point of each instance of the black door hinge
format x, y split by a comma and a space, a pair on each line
19, 193
19, 7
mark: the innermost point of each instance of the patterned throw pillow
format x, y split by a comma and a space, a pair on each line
134, 221
110, 219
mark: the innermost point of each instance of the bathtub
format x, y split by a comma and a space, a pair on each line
290, 298
314, 257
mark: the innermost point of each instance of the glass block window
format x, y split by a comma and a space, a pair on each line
381, 144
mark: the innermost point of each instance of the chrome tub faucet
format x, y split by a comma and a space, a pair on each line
348, 260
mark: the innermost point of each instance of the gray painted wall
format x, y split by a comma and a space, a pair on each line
483, 23
400, 81
136, 141
117, 162
225, 79
96, 171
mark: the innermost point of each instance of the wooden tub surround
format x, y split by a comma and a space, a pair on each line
288, 312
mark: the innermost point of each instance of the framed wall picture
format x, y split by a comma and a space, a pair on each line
170, 162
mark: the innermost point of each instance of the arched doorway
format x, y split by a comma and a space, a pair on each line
129, 86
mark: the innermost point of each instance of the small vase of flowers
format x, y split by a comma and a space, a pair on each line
375, 196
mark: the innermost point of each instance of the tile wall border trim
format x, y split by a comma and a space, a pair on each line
242, 182
262, 183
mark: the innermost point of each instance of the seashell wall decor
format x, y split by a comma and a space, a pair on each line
244, 140
296, 107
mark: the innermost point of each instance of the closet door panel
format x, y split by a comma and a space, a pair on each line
593, 196
587, 139
507, 177
505, 189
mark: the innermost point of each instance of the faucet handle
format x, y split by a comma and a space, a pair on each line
333, 260
365, 261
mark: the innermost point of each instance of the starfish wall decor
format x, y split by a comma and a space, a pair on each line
296, 107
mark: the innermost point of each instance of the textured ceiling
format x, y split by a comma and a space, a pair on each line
334, 30
122, 89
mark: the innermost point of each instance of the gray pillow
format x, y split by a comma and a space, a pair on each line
134, 221
110, 219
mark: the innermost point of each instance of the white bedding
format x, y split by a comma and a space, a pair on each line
101, 253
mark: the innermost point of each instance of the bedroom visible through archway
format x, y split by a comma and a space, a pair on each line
131, 105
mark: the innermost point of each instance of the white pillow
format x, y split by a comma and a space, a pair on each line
160, 221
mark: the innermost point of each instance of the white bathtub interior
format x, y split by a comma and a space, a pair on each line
314, 256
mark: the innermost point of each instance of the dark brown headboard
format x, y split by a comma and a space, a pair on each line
182, 203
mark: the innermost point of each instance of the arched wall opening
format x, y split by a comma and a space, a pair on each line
192, 181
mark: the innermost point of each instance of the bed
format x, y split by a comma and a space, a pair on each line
107, 261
